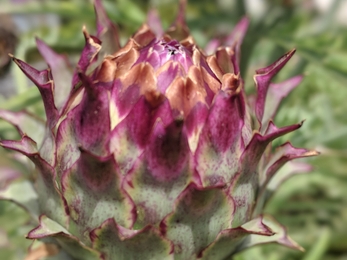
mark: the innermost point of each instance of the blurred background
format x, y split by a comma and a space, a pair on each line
313, 206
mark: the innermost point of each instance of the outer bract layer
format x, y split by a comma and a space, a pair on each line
150, 152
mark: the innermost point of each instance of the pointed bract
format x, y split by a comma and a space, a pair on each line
285, 153
262, 80
61, 73
88, 56
229, 241
43, 81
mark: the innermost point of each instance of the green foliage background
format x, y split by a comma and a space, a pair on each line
313, 206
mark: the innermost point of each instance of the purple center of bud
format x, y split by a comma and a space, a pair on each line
173, 47
158, 52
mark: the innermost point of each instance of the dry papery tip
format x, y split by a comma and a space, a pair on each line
289, 53
85, 31
14, 59
314, 153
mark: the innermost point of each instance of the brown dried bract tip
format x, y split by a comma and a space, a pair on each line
107, 70
154, 98
144, 35
231, 83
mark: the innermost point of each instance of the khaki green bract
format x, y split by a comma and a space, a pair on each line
150, 150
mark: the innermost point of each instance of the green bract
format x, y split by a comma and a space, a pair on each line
149, 149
